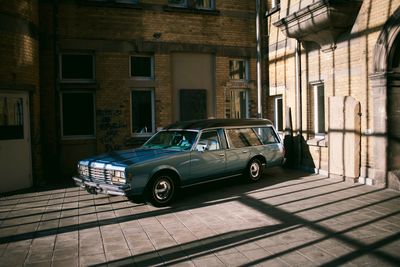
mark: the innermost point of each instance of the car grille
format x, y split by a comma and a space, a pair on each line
97, 175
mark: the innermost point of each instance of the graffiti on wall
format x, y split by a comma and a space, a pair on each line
110, 123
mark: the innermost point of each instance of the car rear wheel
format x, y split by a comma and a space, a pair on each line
254, 170
161, 190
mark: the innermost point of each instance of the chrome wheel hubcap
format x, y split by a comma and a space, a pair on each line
162, 189
254, 170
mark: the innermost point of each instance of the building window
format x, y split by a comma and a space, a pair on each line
127, 1
238, 69
278, 113
318, 109
143, 117
275, 4
237, 104
205, 4
180, 3
77, 114
142, 67
198, 4
117, 1
11, 118
75, 67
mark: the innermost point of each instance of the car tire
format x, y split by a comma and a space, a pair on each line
161, 190
254, 170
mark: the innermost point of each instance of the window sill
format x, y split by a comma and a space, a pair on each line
320, 141
112, 4
79, 85
191, 10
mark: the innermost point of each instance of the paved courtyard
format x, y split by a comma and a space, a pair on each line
290, 218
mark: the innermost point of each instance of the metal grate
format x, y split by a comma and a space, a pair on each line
96, 174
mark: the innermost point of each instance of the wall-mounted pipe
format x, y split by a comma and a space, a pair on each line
259, 58
299, 121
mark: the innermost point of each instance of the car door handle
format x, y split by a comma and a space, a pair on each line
221, 155
245, 151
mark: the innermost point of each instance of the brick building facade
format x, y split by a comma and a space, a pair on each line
109, 73
93, 76
334, 66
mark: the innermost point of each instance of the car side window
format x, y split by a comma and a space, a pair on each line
242, 138
208, 141
267, 135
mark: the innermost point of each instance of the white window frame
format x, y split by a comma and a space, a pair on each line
77, 137
275, 4
153, 111
276, 114
68, 80
232, 94
206, 8
316, 87
151, 66
246, 71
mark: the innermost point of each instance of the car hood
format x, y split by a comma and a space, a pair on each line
125, 158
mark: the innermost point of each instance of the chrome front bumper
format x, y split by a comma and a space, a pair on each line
95, 188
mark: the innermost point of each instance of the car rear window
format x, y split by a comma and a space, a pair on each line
242, 138
267, 135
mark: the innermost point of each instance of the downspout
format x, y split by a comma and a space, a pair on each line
298, 102
56, 52
258, 40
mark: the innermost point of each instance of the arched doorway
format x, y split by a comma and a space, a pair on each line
393, 110
385, 87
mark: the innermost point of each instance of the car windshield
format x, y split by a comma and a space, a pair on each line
178, 140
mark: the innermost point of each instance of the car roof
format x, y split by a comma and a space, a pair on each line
216, 123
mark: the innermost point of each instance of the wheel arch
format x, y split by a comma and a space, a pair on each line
165, 170
260, 157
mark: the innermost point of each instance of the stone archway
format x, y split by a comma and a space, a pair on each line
385, 86
394, 115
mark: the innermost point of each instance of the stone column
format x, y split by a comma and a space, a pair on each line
378, 83
344, 138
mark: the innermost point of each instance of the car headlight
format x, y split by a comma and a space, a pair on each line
118, 177
83, 170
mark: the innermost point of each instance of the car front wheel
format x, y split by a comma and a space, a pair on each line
254, 170
161, 190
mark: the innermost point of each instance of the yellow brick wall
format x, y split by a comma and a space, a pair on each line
345, 71
19, 68
94, 26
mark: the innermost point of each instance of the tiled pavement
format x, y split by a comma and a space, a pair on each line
290, 218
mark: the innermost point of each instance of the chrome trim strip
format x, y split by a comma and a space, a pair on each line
213, 180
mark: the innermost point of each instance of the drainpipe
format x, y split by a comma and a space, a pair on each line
258, 40
298, 101
56, 54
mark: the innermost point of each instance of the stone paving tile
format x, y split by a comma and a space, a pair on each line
208, 261
290, 218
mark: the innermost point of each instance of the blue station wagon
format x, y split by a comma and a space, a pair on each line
185, 154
